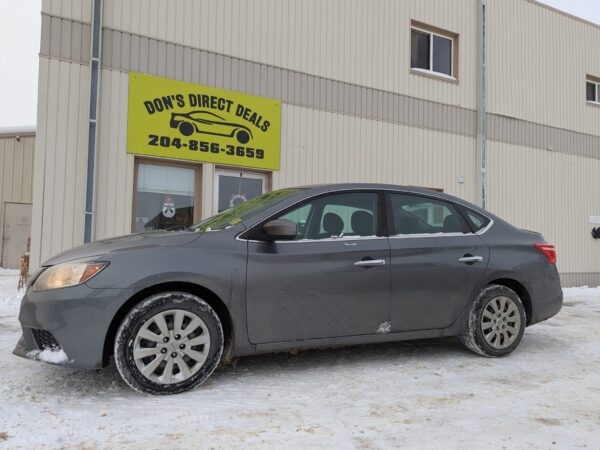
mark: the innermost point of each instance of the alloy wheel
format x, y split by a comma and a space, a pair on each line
171, 346
500, 322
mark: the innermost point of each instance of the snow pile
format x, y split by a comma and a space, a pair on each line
49, 355
583, 291
425, 394
9, 294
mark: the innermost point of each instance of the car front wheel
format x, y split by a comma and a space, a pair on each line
168, 343
496, 322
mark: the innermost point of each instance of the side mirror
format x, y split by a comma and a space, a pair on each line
280, 230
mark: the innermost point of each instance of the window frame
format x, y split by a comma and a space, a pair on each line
435, 31
243, 173
596, 82
465, 224
254, 234
197, 168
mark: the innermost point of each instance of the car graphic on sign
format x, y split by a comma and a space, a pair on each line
209, 123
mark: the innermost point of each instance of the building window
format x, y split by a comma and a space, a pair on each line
433, 51
235, 187
165, 197
592, 90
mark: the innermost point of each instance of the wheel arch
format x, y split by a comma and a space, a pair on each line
204, 293
521, 291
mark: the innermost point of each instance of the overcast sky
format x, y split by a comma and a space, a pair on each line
20, 44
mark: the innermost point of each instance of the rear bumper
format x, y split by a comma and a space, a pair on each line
547, 298
77, 318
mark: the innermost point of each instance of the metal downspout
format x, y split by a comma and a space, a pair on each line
96, 44
480, 159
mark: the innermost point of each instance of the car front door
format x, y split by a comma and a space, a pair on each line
436, 262
332, 280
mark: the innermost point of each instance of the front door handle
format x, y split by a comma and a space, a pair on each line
470, 259
370, 262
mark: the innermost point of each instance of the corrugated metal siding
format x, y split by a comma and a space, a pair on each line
72, 9
317, 146
321, 147
16, 161
16, 173
580, 279
126, 52
549, 192
529, 134
114, 170
356, 41
60, 164
65, 39
537, 65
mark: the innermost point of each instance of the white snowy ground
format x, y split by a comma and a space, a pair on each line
427, 394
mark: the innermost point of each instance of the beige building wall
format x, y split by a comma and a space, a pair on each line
553, 193
351, 108
538, 60
61, 157
356, 41
16, 171
80, 10
323, 147
317, 147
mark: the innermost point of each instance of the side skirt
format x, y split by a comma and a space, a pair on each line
454, 330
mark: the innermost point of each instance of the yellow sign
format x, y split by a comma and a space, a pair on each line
175, 119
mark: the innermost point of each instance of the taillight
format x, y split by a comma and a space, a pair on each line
548, 250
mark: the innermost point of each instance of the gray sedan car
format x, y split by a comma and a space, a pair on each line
295, 268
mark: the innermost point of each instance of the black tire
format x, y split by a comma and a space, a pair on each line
474, 337
242, 136
139, 315
186, 128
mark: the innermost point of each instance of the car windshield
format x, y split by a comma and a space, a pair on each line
233, 216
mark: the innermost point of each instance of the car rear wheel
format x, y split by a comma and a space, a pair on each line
186, 128
169, 343
242, 136
496, 322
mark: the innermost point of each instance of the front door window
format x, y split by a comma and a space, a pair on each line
336, 216
164, 198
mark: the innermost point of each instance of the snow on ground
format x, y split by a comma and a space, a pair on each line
426, 394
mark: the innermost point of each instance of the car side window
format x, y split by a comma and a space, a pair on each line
336, 216
476, 220
414, 214
300, 217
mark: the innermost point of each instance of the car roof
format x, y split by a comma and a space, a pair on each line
204, 112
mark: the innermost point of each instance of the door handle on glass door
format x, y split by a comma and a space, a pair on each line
470, 259
370, 262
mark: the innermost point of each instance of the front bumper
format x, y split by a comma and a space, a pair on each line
78, 318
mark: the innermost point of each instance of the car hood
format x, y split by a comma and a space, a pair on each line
125, 243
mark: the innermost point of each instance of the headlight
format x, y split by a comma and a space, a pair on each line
67, 274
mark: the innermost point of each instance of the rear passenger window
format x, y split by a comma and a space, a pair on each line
476, 220
421, 215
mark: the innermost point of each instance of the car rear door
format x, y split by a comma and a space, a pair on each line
333, 280
436, 262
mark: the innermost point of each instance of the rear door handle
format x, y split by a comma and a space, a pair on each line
468, 259
370, 262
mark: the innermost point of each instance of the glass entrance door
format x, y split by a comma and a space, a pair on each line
235, 187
